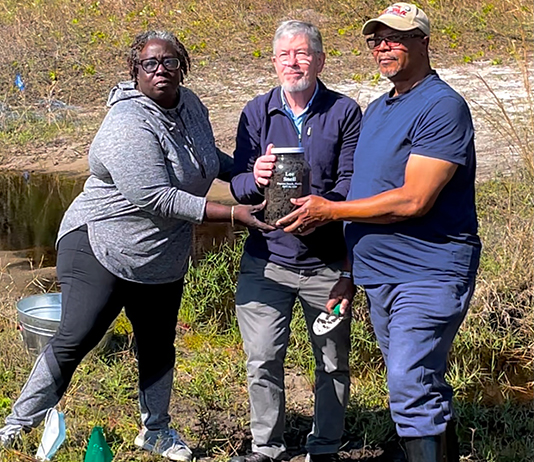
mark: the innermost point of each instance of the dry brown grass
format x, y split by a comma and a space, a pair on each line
74, 51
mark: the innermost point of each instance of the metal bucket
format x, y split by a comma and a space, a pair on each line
38, 320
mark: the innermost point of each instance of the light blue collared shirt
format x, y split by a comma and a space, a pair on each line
298, 120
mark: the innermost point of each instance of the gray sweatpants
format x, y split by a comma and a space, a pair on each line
265, 296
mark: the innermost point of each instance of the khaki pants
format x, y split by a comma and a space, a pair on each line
265, 296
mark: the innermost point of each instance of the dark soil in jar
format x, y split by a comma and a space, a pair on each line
291, 179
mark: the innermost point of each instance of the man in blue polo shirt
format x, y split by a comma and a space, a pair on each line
277, 268
412, 228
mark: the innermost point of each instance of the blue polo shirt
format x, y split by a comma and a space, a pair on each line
430, 120
298, 121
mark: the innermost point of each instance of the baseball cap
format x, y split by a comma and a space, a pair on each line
400, 16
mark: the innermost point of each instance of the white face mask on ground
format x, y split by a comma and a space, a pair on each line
53, 435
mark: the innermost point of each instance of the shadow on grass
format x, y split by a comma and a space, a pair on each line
500, 433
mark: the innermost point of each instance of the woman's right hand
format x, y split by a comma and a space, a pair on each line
245, 214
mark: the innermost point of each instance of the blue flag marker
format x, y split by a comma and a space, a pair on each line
19, 83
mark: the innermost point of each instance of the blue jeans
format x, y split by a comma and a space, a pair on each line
415, 323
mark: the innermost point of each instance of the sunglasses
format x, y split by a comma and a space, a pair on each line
393, 40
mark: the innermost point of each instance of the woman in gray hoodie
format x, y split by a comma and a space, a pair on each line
125, 241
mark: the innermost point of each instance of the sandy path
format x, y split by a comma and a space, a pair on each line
495, 151
225, 98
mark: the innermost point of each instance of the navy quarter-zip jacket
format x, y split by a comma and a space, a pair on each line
330, 133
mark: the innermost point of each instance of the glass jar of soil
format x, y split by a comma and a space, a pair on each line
291, 179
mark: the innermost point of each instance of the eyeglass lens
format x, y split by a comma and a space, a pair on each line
300, 57
151, 64
391, 40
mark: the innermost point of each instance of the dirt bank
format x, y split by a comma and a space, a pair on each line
480, 83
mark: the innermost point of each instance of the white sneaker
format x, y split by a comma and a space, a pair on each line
164, 442
8, 434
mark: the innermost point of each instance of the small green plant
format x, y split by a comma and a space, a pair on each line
89, 70
94, 8
97, 36
450, 32
5, 403
375, 78
198, 46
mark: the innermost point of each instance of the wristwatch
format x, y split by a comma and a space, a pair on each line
345, 274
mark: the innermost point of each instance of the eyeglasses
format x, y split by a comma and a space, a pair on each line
392, 41
301, 57
151, 64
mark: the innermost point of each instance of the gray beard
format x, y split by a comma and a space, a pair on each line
301, 85
390, 74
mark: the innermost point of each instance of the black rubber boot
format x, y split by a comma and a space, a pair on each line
452, 448
425, 449
440, 448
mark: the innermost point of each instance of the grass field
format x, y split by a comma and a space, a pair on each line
73, 52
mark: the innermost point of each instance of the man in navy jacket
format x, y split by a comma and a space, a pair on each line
277, 268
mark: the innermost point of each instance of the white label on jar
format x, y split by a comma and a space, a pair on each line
289, 181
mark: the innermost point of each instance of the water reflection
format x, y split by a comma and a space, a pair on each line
31, 208
32, 205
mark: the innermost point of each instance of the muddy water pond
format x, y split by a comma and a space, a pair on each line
31, 208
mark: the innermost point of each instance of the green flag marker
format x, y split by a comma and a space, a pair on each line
97, 447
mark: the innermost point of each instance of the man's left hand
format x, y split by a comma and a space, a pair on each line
313, 211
